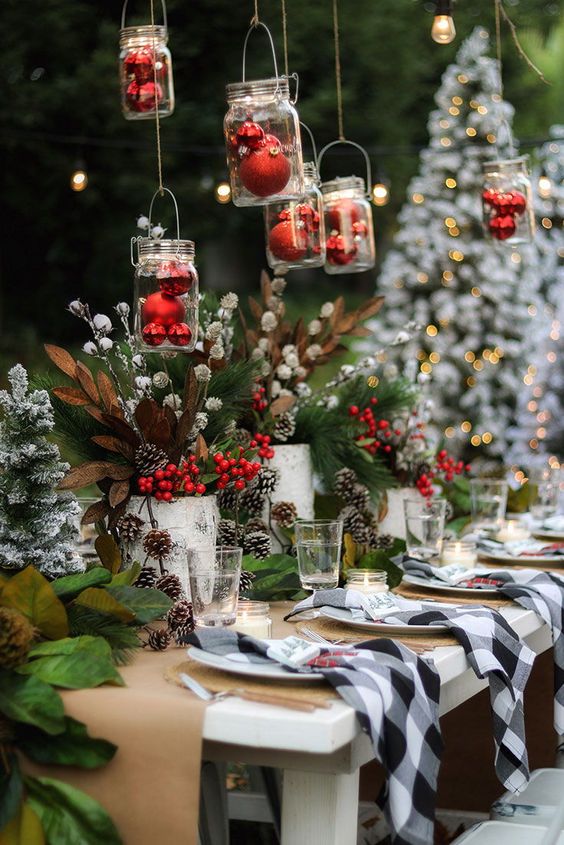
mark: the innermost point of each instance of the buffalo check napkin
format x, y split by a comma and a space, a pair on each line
494, 651
396, 698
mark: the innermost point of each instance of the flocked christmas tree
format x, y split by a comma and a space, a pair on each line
472, 297
37, 524
539, 431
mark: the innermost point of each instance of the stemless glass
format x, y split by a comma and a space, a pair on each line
424, 526
489, 500
214, 585
318, 543
544, 492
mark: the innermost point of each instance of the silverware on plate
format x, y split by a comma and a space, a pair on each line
306, 705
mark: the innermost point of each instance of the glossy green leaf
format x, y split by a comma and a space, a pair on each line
128, 576
146, 604
30, 700
71, 585
73, 747
70, 645
108, 552
34, 597
11, 787
82, 670
103, 601
69, 816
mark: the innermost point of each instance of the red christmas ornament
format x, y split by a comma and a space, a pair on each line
489, 196
502, 226
286, 242
142, 97
163, 310
360, 229
517, 202
285, 214
502, 203
308, 216
266, 170
180, 334
140, 64
153, 334
250, 135
175, 278
337, 252
343, 215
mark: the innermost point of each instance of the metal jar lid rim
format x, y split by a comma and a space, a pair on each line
272, 86
341, 183
158, 31
148, 245
487, 165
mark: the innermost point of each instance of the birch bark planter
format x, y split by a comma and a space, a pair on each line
393, 522
192, 523
295, 483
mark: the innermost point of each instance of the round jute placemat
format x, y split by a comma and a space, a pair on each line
333, 630
410, 591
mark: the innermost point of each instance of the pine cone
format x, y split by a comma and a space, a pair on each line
383, 541
146, 578
129, 527
183, 632
355, 524
242, 437
266, 481
16, 635
256, 524
227, 499
257, 544
180, 615
170, 585
284, 513
344, 481
149, 458
157, 544
159, 639
449, 511
284, 427
359, 497
252, 502
246, 581
226, 532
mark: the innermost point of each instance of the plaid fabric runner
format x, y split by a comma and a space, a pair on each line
493, 650
396, 697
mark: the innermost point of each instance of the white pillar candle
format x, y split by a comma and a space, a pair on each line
512, 530
461, 552
253, 618
366, 581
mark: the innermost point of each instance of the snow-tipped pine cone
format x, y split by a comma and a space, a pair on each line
242, 437
383, 541
129, 527
157, 544
180, 615
284, 514
354, 524
257, 544
284, 427
344, 482
252, 502
266, 481
146, 578
246, 581
359, 497
159, 639
169, 585
149, 458
182, 633
227, 499
256, 524
226, 532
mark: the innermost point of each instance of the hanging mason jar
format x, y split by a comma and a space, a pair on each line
262, 136
166, 292
348, 221
507, 201
145, 68
295, 230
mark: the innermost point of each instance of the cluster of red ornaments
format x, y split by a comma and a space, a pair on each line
239, 470
289, 239
377, 432
163, 484
265, 450
259, 402
263, 168
164, 311
445, 467
347, 228
502, 209
142, 94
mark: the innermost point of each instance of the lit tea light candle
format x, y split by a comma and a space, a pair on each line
253, 618
366, 581
461, 552
512, 530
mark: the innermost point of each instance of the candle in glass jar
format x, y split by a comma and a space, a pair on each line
461, 552
253, 618
511, 530
366, 581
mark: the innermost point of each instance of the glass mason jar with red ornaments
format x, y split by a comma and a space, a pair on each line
348, 224
295, 230
145, 68
507, 201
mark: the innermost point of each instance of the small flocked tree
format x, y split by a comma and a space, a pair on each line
472, 297
37, 524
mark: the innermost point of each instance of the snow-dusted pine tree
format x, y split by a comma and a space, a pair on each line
539, 431
37, 524
472, 297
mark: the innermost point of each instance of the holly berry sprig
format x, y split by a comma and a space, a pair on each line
260, 403
446, 467
377, 433
165, 483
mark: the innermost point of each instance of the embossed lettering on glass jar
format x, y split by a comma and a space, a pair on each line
144, 56
262, 137
348, 226
507, 201
166, 295
295, 230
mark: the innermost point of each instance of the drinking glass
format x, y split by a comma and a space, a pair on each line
489, 500
214, 584
424, 526
318, 543
544, 492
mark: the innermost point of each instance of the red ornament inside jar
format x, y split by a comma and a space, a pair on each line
145, 72
506, 201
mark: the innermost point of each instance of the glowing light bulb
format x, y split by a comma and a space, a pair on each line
79, 180
223, 192
443, 30
380, 194
545, 186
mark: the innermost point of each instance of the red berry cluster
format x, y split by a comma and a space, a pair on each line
259, 402
164, 483
445, 466
377, 432
265, 450
237, 469
502, 207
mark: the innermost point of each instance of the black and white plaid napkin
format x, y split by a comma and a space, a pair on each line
493, 650
396, 698
542, 592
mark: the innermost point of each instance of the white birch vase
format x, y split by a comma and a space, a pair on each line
394, 522
295, 483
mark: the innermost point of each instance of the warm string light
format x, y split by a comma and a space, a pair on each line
443, 30
79, 179
223, 192
380, 194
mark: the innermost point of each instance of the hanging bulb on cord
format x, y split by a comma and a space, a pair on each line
443, 30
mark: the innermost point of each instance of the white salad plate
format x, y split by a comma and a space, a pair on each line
230, 664
343, 615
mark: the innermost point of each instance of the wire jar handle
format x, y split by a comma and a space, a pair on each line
124, 10
248, 35
313, 144
358, 147
141, 237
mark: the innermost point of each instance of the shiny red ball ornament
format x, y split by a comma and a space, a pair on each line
343, 214
142, 97
180, 334
140, 64
266, 170
285, 214
286, 242
163, 310
153, 334
175, 278
517, 203
489, 196
308, 216
502, 226
250, 135
360, 229
337, 252
502, 203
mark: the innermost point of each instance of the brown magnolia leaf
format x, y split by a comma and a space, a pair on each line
160, 433
119, 491
191, 388
265, 286
85, 474
118, 472
62, 359
360, 331
255, 309
281, 405
71, 395
171, 418
113, 444
96, 413
330, 345
107, 391
369, 308
346, 323
145, 413
339, 310
87, 382
95, 513
201, 449
122, 428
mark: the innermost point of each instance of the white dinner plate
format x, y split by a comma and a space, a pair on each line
523, 560
546, 534
251, 670
436, 584
342, 615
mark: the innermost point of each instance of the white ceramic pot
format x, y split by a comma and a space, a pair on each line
393, 522
295, 483
192, 523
